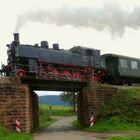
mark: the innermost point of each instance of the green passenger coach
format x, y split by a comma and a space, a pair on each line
122, 69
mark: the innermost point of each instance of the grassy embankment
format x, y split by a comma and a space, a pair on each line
46, 114
121, 113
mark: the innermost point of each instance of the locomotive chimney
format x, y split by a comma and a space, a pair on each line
56, 46
16, 38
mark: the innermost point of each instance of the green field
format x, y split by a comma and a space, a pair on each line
58, 110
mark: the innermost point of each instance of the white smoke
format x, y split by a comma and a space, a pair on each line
111, 16
22, 20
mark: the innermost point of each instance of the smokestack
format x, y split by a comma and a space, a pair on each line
16, 38
56, 46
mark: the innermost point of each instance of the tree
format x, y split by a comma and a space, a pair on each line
70, 97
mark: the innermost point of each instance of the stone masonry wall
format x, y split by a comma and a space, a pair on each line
91, 99
18, 101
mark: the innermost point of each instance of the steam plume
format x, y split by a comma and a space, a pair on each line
110, 16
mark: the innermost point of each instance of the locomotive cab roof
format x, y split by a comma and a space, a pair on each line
81, 47
85, 51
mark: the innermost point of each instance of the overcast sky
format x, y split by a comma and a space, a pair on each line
109, 25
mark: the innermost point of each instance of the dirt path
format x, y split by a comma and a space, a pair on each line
63, 130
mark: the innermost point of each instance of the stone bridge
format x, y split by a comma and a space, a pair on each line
18, 100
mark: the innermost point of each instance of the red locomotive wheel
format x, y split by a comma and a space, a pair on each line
43, 74
67, 75
77, 76
21, 73
92, 78
55, 74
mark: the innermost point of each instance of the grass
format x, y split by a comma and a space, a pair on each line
44, 118
134, 92
7, 135
114, 124
111, 124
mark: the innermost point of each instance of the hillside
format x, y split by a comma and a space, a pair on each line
52, 100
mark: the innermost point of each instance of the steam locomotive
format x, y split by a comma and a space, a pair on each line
76, 64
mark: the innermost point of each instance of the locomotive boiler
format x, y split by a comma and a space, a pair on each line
40, 61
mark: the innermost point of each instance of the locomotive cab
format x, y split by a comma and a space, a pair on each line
90, 57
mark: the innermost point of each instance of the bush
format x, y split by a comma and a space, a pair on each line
125, 105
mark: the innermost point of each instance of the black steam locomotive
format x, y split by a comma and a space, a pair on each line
76, 64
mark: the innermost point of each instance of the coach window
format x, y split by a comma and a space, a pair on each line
123, 63
134, 65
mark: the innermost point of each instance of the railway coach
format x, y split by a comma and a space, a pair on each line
122, 69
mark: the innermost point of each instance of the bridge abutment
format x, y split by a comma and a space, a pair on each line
91, 99
18, 101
